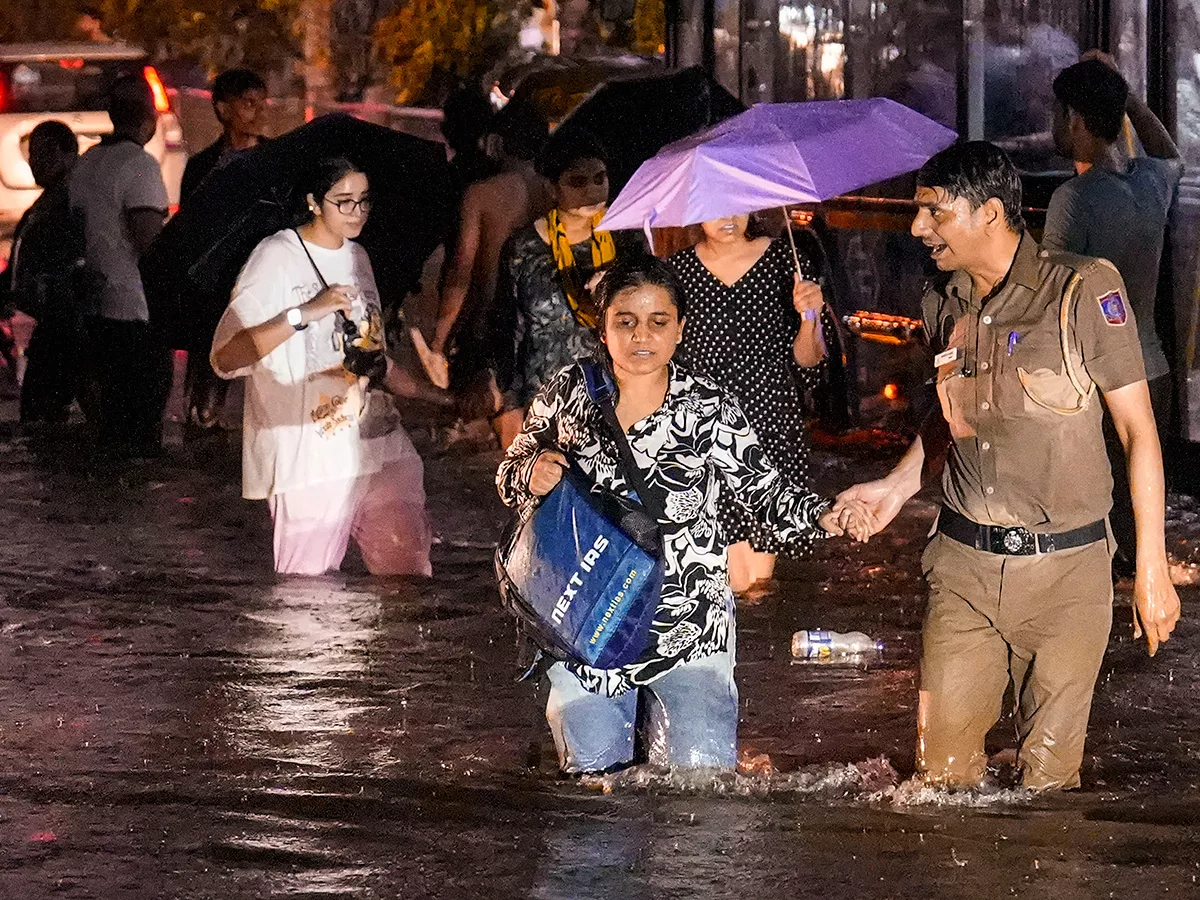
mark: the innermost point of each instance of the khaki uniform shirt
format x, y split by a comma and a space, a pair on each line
1019, 455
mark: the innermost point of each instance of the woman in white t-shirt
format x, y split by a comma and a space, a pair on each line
326, 451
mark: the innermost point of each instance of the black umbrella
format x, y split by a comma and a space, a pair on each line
554, 85
634, 118
191, 268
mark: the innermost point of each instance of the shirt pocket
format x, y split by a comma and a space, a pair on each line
1036, 381
954, 394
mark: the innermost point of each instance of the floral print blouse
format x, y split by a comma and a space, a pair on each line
697, 439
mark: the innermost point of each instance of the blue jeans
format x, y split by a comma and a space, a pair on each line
692, 716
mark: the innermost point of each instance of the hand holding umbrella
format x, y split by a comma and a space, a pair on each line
808, 300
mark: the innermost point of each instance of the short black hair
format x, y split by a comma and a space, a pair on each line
232, 83
976, 171
1097, 93
318, 180
130, 102
564, 153
54, 135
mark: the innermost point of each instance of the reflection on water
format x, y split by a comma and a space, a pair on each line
298, 686
188, 726
296, 695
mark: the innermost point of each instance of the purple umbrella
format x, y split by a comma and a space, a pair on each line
775, 154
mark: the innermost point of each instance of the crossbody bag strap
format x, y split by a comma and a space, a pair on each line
339, 317
600, 388
313, 262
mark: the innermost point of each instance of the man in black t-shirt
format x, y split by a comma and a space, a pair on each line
239, 100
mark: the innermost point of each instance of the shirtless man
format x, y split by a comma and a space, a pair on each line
492, 209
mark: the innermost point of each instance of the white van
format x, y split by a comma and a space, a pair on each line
70, 82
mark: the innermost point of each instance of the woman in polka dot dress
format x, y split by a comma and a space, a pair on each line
754, 327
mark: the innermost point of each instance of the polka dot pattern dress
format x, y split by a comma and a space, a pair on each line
741, 337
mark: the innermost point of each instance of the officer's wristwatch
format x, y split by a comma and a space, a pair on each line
295, 318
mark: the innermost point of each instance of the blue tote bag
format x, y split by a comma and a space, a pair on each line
584, 572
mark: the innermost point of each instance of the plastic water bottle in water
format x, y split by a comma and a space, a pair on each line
817, 644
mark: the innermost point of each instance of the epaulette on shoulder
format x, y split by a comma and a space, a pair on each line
1081, 265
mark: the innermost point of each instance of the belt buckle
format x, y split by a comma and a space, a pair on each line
1018, 542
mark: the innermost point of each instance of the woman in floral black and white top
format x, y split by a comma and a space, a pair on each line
687, 436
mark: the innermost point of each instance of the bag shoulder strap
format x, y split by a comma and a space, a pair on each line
601, 390
312, 262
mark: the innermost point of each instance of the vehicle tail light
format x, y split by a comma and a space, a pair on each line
70, 63
3, 93
162, 103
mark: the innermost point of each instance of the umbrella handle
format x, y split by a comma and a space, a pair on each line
787, 218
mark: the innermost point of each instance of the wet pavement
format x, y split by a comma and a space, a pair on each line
175, 721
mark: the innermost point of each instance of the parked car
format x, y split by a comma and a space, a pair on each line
70, 82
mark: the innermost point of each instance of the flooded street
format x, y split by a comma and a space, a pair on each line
175, 721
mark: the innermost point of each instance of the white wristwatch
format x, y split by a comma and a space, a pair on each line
295, 318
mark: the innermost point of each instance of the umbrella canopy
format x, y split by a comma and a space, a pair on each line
553, 86
776, 154
190, 270
635, 117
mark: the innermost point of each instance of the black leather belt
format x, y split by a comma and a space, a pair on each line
1015, 541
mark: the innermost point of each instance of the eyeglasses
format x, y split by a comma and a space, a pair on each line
579, 182
349, 205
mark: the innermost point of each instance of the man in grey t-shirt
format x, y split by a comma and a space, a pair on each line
1116, 208
118, 196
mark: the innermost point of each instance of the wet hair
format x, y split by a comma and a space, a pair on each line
318, 180
630, 273
566, 153
1097, 93
638, 271
521, 129
232, 83
976, 171
130, 103
55, 136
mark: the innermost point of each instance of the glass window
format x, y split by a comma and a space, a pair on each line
1187, 81
908, 51
1185, 225
727, 45
811, 51
689, 34
66, 85
1013, 54
759, 43
1129, 42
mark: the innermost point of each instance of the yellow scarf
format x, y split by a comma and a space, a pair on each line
604, 251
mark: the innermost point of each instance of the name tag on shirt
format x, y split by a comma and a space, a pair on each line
945, 357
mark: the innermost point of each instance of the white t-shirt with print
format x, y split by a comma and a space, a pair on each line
303, 410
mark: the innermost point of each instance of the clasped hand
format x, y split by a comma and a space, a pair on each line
850, 516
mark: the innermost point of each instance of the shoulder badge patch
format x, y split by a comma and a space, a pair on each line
1113, 308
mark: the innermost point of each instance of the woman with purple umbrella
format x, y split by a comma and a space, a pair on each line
755, 328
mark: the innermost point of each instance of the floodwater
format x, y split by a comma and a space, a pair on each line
177, 722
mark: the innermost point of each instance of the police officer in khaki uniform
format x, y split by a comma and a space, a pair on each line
1018, 572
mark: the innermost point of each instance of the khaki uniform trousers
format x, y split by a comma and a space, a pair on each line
1040, 623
